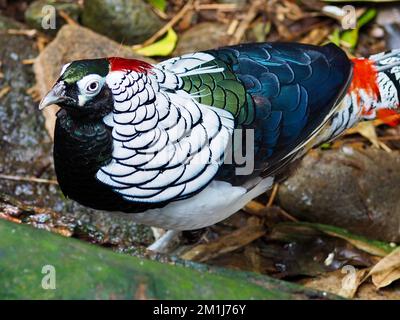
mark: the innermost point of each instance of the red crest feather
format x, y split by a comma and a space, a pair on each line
119, 64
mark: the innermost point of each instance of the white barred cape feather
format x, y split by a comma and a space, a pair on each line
166, 145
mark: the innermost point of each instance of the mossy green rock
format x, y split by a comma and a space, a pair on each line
37, 11
83, 271
126, 21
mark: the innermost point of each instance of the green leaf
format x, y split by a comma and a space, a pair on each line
162, 47
350, 37
335, 36
325, 146
158, 4
368, 16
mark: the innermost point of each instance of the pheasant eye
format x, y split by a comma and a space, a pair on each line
92, 87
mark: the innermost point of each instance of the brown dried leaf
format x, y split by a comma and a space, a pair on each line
4, 91
351, 281
316, 36
368, 131
386, 270
344, 282
228, 243
333, 282
7, 217
255, 208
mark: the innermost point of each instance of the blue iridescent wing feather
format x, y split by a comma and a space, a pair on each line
293, 87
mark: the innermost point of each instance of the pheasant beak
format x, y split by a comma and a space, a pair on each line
54, 96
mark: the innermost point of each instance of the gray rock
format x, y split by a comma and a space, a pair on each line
126, 21
26, 147
34, 14
203, 36
356, 190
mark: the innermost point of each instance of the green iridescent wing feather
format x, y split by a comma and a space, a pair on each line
221, 90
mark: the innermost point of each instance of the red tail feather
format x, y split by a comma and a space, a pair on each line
365, 77
388, 116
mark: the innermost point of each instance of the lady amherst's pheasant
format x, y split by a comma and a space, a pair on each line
158, 142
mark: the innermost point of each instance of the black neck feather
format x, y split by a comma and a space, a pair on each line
81, 147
